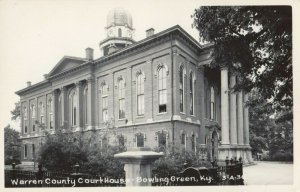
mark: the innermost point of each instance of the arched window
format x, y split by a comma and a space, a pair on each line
183, 138
25, 119
33, 116
25, 151
120, 32
104, 143
140, 93
121, 94
85, 109
162, 90
42, 112
121, 141
104, 99
191, 94
212, 103
33, 150
193, 138
140, 139
50, 106
162, 140
73, 107
181, 88
33, 111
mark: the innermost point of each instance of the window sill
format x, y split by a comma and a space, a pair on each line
182, 113
123, 119
140, 116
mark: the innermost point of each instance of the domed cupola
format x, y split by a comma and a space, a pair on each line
119, 31
119, 17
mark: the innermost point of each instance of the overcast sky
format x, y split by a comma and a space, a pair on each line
36, 34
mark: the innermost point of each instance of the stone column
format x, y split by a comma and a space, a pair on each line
246, 121
240, 120
138, 165
233, 131
224, 106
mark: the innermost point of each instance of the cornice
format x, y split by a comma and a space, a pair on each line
151, 41
34, 87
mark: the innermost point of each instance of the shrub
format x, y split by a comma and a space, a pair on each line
101, 162
175, 162
61, 152
282, 156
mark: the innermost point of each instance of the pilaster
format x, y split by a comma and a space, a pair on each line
79, 111
64, 107
90, 105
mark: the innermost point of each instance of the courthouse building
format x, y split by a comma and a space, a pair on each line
159, 92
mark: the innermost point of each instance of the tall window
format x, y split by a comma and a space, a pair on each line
181, 89
162, 141
104, 143
162, 90
121, 141
25, 151
25, 119
140, 139
121, 93
33, 150
85, 109
73, 107
212, 103
50, 106
183, 138
33, 113
41, 112
191, 94
120, 32
140, 93
193, 142
104, 102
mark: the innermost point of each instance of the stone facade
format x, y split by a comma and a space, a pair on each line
160, 89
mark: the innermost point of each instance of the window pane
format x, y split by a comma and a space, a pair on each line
181, 100
140, 140
142, 104
183, 139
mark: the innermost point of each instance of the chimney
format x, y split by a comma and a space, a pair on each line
28, 83
149, 32
45, 76
89, 53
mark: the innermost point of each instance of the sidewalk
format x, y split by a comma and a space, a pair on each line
269, 173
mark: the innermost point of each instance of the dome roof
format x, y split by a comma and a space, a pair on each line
119, 16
